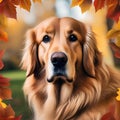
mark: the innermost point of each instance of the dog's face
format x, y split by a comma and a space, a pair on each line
60, 47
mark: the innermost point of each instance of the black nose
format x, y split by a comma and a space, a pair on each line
59, 59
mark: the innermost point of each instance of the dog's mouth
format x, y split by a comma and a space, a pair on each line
59, 77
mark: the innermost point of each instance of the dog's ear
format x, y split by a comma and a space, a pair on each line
91, 55
30, 61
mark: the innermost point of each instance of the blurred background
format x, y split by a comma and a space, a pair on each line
16, 30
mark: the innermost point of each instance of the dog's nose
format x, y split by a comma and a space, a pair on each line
59, 59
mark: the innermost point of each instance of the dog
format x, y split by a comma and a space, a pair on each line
66, 77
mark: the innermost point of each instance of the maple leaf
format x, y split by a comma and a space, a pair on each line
3, 35
7, 113
113, 9
8, 9
5, 93
76, 2
15, 2
2, 103
118, 97
85, 5
116, 49
99, 4
1, 1
25, 4
109, 115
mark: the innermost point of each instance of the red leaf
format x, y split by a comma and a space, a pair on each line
18, 118
5, 93
117, 54
1, 63
99, 4
116, 49
110, 114
113, 9
7, 8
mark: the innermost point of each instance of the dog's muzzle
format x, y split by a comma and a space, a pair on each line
59, 61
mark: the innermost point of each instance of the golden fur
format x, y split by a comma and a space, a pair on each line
93, 84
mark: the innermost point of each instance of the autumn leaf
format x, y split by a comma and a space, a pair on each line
8, 9
76, 2
5, 92
115, 49
3, 35
15, 2
1, 1
85, 5
118, 97
2, 103
6, 112
113, 9
109, 115
99, 4
25, 4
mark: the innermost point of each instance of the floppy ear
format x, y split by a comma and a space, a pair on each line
30, 61
91, 55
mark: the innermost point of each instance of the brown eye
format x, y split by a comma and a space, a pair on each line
72, 38
46, 39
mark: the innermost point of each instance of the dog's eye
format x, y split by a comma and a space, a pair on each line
46, 39
72, 38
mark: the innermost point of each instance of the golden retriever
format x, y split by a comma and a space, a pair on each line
66, 76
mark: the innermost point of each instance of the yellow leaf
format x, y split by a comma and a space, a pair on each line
37, 1
76, 2
118, 41
85, 5
1, 1
115, 33
2, 104
118, 97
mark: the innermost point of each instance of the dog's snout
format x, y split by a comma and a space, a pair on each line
59, 59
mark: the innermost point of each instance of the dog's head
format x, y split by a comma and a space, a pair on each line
58, 47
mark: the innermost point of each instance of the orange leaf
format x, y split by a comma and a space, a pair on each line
5, 93
99, 4
1, 1
8, 9
15, 2
76, 2
6, 113
25, 4
85, 5
37, 1
3, 35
